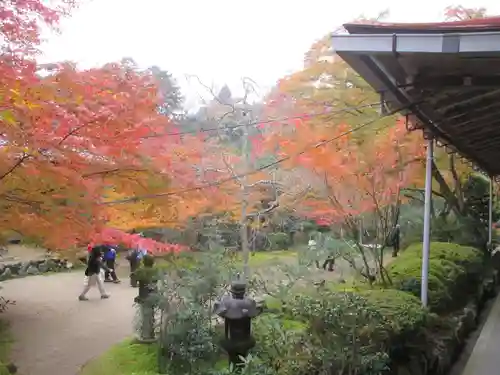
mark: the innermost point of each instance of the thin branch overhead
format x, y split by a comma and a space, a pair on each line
264, 122
264, 167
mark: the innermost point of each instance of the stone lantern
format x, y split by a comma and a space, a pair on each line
237, 312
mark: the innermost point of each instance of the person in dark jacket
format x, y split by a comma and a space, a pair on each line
93, 273
395, 240
110, 259
330, 263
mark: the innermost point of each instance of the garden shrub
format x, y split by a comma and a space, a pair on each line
406, 275
454, 273
345, 333
388, 330
5, 344
326, 331
466, 256
279, 343
407, 321
403, 310
125, 358
279, 241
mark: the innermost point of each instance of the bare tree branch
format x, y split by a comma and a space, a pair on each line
15, 166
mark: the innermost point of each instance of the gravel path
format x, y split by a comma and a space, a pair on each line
55, 333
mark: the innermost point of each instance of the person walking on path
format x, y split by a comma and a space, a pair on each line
93, 273
110, 259
318, 250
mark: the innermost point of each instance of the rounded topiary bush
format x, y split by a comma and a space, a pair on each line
454, 273
407, 276
407, 320
385, 324
404, 311
466, 256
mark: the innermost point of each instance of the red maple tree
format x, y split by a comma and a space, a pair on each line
70, 137
351, 178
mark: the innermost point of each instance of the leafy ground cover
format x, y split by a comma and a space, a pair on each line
125, 358
5, 344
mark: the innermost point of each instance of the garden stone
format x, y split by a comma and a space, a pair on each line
43, 267
23, 270
15, 267
7, 274
32, 270
51, 265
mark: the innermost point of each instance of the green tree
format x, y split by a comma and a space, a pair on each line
169, 90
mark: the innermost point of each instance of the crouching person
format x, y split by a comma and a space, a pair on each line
110, 258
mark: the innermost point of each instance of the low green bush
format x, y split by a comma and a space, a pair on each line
5, 344
323, 332
123, 359
359, 331
279, 241
454, 273
403, 310
468, 257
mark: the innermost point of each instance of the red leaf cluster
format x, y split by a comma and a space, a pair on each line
21, 22
109, 236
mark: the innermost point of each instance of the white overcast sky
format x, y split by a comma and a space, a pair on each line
219, 40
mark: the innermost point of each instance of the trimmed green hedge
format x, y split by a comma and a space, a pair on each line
454, 274
321, 324
469, 257
404, 311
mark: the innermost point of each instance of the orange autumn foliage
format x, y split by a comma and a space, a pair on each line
349, 177
72, 137
66, 136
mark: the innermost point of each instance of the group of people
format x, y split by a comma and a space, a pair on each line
103, 258
322, 250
